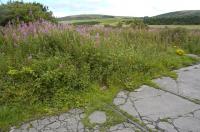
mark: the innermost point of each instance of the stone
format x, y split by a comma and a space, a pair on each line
98, 117
33, 130
157, 104
150, 105
117, 127
129, 125
186, 85
197, 114
119, 101
167, 83
188, 82
34, 124
129, 108
44, 122
72, 124
48, 131
125, 130
166, 127
76, 111
188, 124
63, 117
61, 130
145, 92
80, 126
123, 127
166, 105
66, 122
54, 125
82, 116
53, 118
122, 94
151, 126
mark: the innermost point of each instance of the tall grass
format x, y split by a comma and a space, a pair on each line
43, 65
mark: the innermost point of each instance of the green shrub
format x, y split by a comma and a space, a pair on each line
119, 24
16, 12
177, 36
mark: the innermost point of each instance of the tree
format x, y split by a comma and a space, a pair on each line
17, 12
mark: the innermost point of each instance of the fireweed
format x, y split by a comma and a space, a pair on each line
33, 29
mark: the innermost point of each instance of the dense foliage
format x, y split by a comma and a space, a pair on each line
188, 17
55, 66
15, 12
135, 23
189, 20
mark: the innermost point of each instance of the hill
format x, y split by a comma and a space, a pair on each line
180, 14
85, 17
186, 17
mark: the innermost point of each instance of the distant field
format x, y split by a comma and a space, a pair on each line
113, 21
175, 26
102, 21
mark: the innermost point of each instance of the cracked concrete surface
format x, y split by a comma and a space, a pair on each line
69, 122
66, 122
187, 83
168, 109
123, 127
160, 110
98, 117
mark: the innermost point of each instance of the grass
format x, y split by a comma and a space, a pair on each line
46, 69
100, 104
114, 21
191, 27
111, 21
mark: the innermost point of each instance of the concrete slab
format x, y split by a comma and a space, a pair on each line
187, 83
152, 106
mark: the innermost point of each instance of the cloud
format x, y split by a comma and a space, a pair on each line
76, 6
118, 7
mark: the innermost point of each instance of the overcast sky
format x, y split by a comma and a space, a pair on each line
136, 8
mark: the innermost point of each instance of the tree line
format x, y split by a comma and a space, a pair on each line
16, 12
189, 20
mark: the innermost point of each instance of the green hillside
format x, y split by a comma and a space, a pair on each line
85, 17
187, 17
180, 14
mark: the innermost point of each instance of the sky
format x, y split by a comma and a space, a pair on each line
137, 8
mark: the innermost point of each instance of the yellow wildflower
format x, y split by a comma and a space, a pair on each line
180, 52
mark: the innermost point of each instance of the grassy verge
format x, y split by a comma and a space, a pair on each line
191, 27
46, 69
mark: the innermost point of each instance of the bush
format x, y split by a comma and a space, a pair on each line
177, 36
136, 24
119, 24
16, 12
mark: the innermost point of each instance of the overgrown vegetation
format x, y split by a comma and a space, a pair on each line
189, 20
46, 68
15, 12
188, 17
